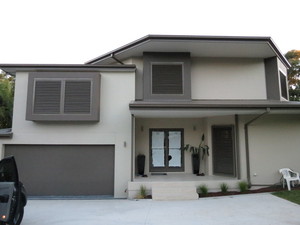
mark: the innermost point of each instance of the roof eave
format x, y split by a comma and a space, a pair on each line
192, 37
13, 68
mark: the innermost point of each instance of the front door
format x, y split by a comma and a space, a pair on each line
166, 153
223, 150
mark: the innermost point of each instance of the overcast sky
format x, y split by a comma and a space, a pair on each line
75, 31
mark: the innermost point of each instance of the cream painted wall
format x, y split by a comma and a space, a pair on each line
228, 78
191, 136
114, 128
274, 144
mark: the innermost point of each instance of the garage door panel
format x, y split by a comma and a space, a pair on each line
65, 170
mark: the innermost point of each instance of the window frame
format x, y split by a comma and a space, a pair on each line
166, 168
168, 64
162, 58
283, 86
94, 112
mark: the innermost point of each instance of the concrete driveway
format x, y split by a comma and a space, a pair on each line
242, 209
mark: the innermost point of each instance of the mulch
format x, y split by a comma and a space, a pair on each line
260, 190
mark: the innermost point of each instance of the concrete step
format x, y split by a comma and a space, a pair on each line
174, 191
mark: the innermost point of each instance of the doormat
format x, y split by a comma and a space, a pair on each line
158, 173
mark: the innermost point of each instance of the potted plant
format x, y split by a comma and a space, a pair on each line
197, 152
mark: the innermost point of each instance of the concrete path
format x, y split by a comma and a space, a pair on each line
251, 209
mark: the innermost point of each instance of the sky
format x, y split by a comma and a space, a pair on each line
75, 31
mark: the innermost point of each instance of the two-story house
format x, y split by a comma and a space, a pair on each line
78, 129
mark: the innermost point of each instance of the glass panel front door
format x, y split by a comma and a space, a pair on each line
158, 150
165, 150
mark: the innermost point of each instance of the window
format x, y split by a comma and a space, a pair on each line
167, 76
167, 79
283, 85
166, 153
63, 96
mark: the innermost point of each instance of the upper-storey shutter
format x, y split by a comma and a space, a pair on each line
167, 79
283, 86
77, 97
63, 96
47, 97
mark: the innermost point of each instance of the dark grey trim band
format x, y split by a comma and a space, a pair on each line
13, 68
219, 104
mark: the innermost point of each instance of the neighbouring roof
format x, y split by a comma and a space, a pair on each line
13, 68
198, 46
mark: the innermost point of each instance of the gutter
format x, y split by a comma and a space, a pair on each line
118, 61
247, 143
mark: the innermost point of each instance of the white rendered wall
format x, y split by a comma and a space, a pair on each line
114, 128
228, 78
274, 144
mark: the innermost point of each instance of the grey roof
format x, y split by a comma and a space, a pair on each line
254, 46
12, 68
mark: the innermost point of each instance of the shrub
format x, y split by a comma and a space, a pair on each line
224, 187
243, 186
203, 190
142, 193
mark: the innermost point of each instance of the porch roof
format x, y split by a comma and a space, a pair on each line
204, 108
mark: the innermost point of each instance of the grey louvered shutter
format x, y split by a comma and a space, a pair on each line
283, 86
167, 79
77, 97
223, 150
47, 97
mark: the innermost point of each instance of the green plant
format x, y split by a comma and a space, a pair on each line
201, 149
203, 190
224, 187
142, 192
243, 186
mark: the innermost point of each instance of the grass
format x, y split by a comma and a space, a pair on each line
293, 196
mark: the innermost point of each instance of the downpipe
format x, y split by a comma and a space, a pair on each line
247, 143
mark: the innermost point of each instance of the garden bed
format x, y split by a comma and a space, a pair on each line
260, 190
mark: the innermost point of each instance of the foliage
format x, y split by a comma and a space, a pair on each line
293, 196
6, 100
224, 187
293, 57
202, 148
142, 192
203, 190
243, 186
294, 94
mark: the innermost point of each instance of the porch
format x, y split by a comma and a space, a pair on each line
176, 186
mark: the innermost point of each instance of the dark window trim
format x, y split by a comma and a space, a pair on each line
166, 168
167, 64
93, 115
283, 85
182, 58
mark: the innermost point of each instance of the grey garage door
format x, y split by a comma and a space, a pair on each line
64, 170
